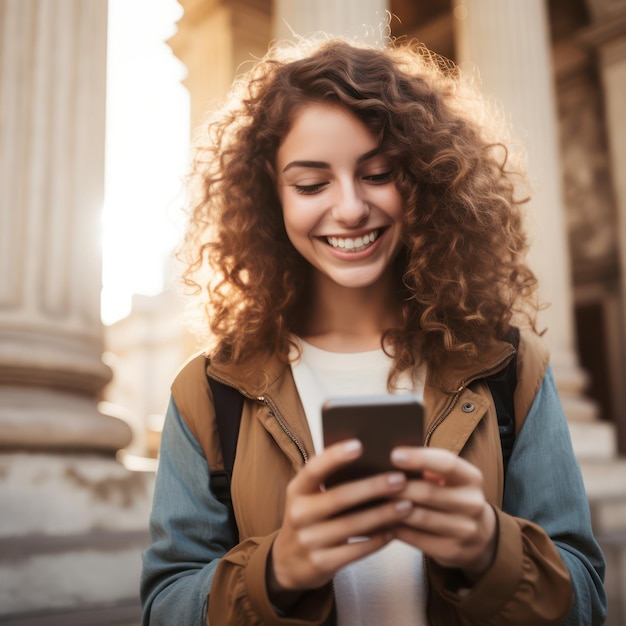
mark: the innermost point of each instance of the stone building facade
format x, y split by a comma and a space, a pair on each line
73, 518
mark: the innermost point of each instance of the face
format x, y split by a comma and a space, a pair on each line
341, 208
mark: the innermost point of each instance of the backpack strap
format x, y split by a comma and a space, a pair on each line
212, 411
228, 403
502, 386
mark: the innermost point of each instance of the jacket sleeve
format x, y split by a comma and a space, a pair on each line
548, 568
189, 530
194, 572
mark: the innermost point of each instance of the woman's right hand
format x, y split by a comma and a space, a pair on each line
312, 543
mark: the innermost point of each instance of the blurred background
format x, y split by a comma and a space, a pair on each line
99, 104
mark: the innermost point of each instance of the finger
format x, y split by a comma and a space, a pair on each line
309, 509
364, 523
438, 547
346, 496
313, 474
468, 501
444, 550
444, 524
336, 557
452, 468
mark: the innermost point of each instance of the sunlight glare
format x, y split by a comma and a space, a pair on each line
147, 150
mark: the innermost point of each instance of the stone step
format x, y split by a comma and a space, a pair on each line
72, 531
119, 614
50, 574
593, 440
605, 482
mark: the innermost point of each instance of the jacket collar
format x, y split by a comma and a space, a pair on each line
252, 378
461, 368
255, 377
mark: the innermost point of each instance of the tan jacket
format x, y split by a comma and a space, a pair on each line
527, 584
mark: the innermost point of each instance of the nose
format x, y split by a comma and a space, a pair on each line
349, 205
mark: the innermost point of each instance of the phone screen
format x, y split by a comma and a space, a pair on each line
381, 423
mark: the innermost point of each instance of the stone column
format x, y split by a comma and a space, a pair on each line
607, 35
51, 191
217, 40
505, 43
365, 20
73, 519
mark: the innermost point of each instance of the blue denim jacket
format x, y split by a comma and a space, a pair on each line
190, 530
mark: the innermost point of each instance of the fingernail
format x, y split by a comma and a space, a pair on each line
396, 478
403, 505
352, 446
400, 456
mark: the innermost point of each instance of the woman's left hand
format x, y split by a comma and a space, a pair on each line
451, 522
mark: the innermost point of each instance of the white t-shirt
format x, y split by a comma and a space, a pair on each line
386, 587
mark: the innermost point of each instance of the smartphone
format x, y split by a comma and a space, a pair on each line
381, 423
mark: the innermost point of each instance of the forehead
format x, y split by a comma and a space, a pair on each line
322, 130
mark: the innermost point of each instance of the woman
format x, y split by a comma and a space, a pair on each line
360, 229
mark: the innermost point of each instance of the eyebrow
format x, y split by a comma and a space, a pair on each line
322, 165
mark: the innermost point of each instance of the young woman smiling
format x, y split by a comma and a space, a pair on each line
358, 230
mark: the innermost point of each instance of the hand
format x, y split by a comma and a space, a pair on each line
451, 521
312, 543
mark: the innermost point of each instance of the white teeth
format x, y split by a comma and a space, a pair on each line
354, 245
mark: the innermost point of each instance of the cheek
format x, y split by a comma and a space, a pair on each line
300, 217
289, 217
389, 200
295, 224
395, 203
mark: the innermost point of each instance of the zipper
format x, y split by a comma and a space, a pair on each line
273, 412
459, 391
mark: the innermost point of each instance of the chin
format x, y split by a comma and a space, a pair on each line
357, 282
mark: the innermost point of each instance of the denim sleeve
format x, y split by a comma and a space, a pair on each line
544, 485
189, 530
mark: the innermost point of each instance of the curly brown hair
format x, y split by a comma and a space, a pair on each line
461, 273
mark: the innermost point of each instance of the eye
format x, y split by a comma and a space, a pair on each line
378, 179
307, 190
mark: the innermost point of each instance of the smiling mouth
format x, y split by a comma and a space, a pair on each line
353, 244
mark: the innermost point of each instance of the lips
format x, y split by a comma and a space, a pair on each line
353, 244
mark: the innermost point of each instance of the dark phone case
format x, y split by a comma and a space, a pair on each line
380, 422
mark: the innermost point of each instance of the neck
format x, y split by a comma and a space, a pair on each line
342, 319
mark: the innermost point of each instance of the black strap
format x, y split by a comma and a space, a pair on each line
502, 386
228, 403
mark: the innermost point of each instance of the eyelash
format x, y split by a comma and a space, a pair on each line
379, 178
308, 190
